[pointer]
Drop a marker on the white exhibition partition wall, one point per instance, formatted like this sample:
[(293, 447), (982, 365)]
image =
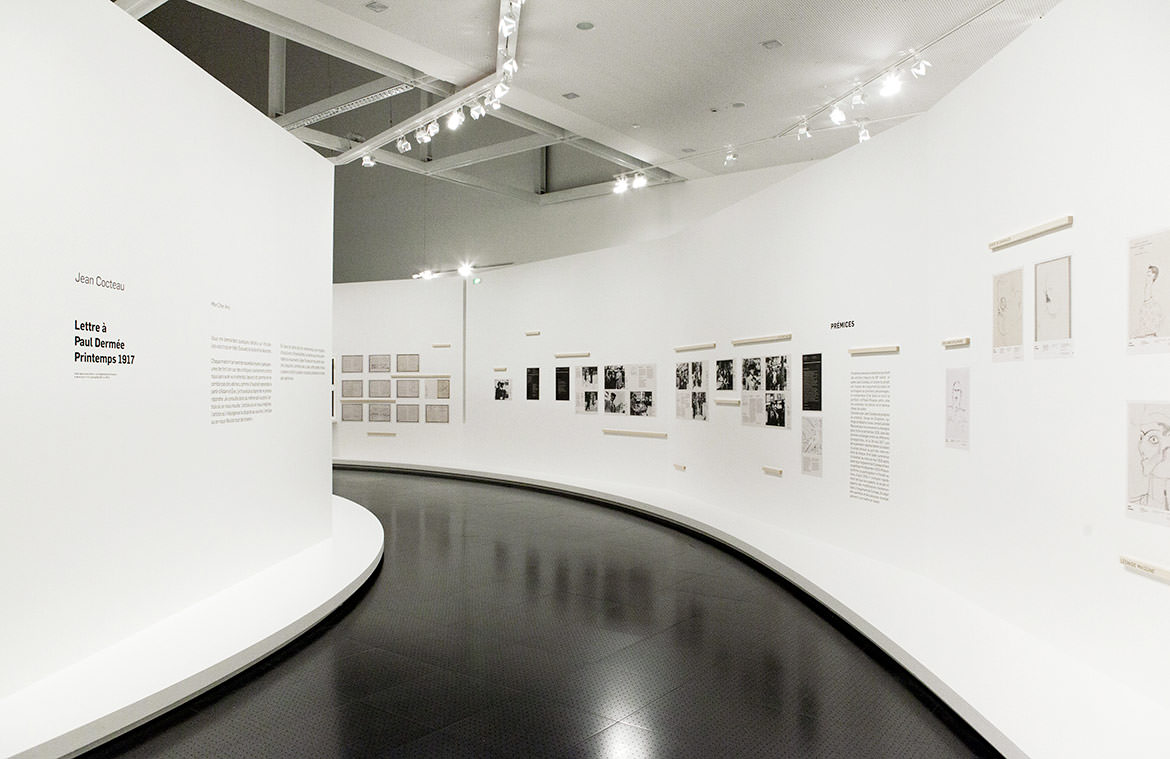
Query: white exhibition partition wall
[(1029, 524), (141, 196)]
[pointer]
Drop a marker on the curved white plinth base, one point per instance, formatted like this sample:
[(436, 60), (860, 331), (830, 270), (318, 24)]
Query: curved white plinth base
[(1025, 697), (170, 662)]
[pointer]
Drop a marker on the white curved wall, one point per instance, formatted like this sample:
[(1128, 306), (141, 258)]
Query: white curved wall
[(1028, 525), (122, 503)]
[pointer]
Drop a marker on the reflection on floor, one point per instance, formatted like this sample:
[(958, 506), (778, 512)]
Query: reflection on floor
[(506, 622)]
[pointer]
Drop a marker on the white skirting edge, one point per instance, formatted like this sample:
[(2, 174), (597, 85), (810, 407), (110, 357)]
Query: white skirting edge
[(190, 652), (1028, 698)]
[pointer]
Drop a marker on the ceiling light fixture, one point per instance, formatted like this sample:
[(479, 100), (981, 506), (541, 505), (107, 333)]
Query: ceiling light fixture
[(477, 111), (640, 181), (368, 161), (920, 66), (891, 84), (465, 269), (433, 128), (426, 274), (858, 99), (403, 145), (510, 67), (508, 23), (730, 158), (621, 184), (421, 136), (501, 89), (803, 132), (862, 132), (837, 115), (456, 119)]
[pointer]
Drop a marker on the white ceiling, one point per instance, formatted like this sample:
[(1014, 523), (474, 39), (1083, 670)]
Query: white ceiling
[(671, 83), (675, 68)]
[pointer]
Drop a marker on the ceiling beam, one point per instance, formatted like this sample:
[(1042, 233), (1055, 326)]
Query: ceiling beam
[(138, 8), (305, 35), (621, 159), (390, 158), (351, 99), (419, 119), (490, 152)]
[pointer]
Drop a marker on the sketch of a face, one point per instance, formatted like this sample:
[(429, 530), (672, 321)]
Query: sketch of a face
[(1154, 448)]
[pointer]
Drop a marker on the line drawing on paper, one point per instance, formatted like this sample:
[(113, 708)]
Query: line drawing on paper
[(1149, 303), (1149, 458), (957, 432), (1008, 305), (1053, 304)]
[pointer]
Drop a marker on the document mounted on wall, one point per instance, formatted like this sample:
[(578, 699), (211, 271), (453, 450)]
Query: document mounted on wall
[(1149, 294), (1007, 307), (1053, 309)]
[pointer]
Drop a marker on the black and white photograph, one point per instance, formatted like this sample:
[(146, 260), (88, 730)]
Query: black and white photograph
[(407, 412), (438, 413), (351, 364), (381, 412), (641, 403), (380, 362), (408, 362), (725, 374), (615, 377), (682, 376), (617, 402), (503, 389), (352, 412), (699, 405), (351, 388), (774, 404), (589, 378), (776, 373), (591, 401), (749, 376), (407, 388), (561, 386), (532, 384), (380, 388), (698, 376)]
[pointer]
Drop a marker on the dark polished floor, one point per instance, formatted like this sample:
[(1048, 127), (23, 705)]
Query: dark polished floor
[(508, 623)]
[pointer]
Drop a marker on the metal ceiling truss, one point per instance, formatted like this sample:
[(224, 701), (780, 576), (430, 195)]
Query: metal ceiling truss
[(398, 78)]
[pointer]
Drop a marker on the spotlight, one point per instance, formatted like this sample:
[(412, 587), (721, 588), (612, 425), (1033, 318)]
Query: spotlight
[(640, 181), (501, 89), (465, 269), (368, 161), (920, 66), (837, 115), (477, 110), (508, 23), (433, 128), (891, 85), (426, 274), (491, 101), (730, 158), (421, 136), (456, 118), (803, 133), (510, 67), (858, 100), (403, 145), (862, 132), (621, 184)]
